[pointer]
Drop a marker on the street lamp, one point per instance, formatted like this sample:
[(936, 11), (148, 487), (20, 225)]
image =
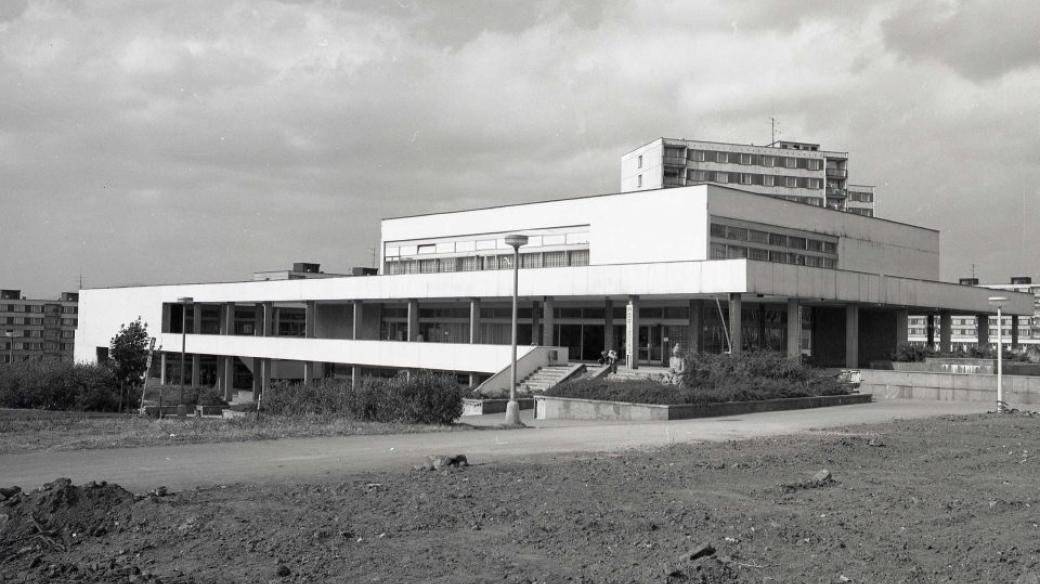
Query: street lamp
[(999, 302), (513, 408), (182, 410)]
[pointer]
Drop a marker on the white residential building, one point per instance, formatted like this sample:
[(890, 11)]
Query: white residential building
[(795, 171)]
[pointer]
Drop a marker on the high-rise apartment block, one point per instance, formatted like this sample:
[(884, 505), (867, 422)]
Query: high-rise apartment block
[(37, 329), (795, 171)]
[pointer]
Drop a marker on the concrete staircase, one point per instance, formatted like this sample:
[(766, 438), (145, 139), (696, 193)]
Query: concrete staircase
[(595, 372), (546, 377)]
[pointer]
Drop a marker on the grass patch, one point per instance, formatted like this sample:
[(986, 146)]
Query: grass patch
[(30, 431)]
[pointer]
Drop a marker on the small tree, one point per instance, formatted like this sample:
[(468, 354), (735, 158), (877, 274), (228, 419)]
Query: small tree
[(128, 356)]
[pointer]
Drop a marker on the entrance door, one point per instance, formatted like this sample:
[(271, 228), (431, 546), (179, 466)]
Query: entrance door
[(650, 344)]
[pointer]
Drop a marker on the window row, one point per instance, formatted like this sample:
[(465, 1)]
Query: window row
[(775, 239), (864, 212), (491, 243), (861, 196), (721, 251), (764, 160), (751, 179), (549, 259)]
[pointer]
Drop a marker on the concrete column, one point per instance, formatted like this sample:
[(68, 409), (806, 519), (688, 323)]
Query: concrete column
[(196, 318), (762, 345), (735, 337), (1014, 331), (228, 373), (930, 331), (258, 319), (196, 362), (852, 336), (945, 330), (309, 308), (162, 369), (794, 329), (413, 321), (358, 317), (536, 331), (902, 327), (196, 328), (608, 325), (632, 332), (258, 375), (474, 322), (696, 324), (548, 321), (982, 330), (227, 322), (474, 380), (267, 365)]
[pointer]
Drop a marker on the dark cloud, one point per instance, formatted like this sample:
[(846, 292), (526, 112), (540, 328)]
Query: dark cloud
[(978, 39), (191, 140)]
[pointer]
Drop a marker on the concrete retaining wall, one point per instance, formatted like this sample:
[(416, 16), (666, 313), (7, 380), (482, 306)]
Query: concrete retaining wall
[(566, 408), (1019, 390)]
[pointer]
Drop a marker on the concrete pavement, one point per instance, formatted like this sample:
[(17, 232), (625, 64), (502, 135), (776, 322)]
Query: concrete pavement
[(196, 465)]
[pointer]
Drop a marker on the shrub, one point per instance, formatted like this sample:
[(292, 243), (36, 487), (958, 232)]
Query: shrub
[(324, 396), (910, 353), (59, 385), (425, 398), (193, 395), (714, 379)]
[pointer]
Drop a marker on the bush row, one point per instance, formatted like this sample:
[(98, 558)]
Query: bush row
[(60, 385), (716, 378), (171, 395), (423, 398)]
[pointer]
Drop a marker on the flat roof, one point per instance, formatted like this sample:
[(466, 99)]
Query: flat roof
[(634, 193), (662, 138)]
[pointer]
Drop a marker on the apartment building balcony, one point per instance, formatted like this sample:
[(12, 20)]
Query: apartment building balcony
[(837, 173), (674, 161), (835, 193), (674, 181)]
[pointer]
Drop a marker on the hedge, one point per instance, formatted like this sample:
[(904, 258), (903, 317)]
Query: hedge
[(714, 379), (422, 398), (60, 385)]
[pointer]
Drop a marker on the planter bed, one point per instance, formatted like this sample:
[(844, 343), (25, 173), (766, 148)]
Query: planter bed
[(479, 407), (567, 408)]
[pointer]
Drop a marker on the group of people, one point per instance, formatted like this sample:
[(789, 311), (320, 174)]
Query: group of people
[(609, 358)]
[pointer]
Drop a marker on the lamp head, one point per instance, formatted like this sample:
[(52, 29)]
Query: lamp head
[(998, 301), (516, 240)]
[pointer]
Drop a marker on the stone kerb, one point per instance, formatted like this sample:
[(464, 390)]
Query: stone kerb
[(930, 385), (566, 408)]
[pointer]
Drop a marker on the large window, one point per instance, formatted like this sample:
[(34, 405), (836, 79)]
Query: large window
[(733, 238)]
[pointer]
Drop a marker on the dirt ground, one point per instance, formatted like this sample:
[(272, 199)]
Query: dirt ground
[(953, 499)]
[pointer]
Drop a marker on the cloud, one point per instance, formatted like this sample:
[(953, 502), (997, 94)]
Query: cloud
[(978, 39), (193, 140)]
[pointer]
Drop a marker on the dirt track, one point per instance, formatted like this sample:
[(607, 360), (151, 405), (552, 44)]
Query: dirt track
[(951, 499)]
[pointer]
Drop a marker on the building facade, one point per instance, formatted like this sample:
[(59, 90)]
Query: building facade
[(794, 171), (37, 329), (1017, 331), (707, 268)]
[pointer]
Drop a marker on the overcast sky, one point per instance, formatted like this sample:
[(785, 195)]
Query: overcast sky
[(149, 142)]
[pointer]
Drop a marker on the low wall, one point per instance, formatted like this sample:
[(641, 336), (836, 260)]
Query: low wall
[(568, 408), (480, 407), (933, 385), (960, 365)]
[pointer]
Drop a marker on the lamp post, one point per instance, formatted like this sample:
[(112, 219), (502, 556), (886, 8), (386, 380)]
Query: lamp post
[(999, 301), (182, 410), (513, 408)]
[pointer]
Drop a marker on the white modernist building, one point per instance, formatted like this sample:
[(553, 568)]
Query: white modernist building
[(707, 267)]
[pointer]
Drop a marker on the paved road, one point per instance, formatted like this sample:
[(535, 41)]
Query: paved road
[(180, 467)]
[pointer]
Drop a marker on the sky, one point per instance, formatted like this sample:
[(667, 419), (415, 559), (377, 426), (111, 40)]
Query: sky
[(193, 140)]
